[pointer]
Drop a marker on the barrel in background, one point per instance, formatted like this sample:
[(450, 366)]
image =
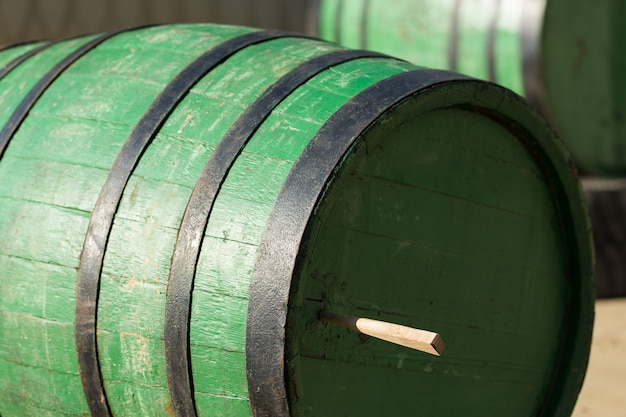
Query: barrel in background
[(180, 202), (606, 200), (564, 56)]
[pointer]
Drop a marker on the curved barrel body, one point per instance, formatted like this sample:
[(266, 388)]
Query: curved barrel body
[(562, 55), (178, 204)]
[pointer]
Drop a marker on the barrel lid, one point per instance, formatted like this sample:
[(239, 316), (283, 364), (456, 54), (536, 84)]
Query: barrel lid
[(582, 63), (456, 210)]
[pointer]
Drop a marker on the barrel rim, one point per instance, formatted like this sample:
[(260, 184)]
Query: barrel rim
[(553, 158), (292, 213)]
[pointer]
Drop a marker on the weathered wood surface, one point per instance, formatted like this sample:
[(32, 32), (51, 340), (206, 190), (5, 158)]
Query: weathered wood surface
[(59, 160), (367, 172)]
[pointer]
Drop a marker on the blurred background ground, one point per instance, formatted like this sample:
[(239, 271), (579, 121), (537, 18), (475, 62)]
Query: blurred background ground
[(603, 393)]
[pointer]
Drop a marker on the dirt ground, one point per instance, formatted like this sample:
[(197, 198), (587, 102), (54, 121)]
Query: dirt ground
[(604, 391)]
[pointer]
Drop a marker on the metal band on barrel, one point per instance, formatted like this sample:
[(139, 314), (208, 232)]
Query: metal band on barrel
[(86, 302), (200, 205), (269, 291), (22, 110), (4, 71), (96, 239)]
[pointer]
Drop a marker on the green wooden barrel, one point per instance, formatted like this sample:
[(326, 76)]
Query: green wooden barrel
[(178, 203), (563, 55)]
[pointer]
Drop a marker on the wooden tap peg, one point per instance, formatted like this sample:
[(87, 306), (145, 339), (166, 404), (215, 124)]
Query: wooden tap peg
[(422, 340)]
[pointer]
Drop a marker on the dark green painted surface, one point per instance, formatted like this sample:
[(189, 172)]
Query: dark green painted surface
[(428, 206), (577, 54), (439, 221)]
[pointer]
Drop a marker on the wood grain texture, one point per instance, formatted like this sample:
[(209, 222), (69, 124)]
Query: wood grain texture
[(380, 218), (136, 356), (496, 260), (252, 185), (86, 116), (17, 84), (16, 52)]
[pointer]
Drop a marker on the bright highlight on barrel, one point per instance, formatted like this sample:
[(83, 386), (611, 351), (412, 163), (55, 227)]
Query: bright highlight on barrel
[(179, 203)]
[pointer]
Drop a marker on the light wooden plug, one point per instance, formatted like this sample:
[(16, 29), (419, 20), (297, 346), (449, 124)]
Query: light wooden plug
[(422, 340)]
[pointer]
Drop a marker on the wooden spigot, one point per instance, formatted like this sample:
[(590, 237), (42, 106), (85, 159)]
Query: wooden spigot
[(421, 340)]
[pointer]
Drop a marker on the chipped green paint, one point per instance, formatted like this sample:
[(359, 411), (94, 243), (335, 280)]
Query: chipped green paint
[(17, 83), (428, 196), (253, 185), (87, 115)]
